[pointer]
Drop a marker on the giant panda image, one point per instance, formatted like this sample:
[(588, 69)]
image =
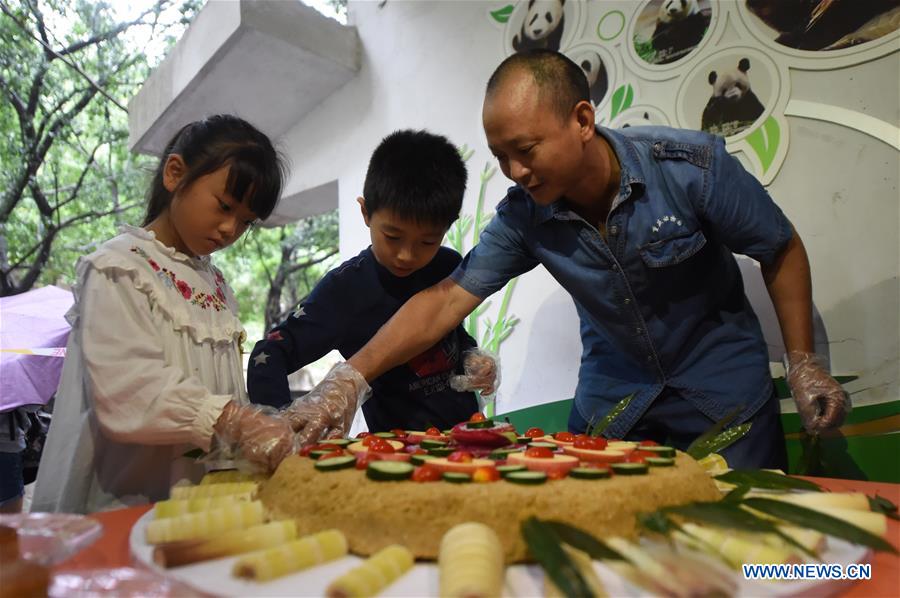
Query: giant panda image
[(542, 27), (733, 106), (592, 66), (680, 25)]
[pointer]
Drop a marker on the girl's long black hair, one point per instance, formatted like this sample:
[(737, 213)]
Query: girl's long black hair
[(256, 174)]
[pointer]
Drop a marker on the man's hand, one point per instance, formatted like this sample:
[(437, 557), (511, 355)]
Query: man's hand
[(482, 373), (821, 401), (263, 437), (328, 409)]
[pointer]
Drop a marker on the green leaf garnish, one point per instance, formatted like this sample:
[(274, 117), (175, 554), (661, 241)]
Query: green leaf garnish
[(769, 480), (657, 522), (736, 494), (613, 414), (699, 448), (879, 504), (583, 541), (546, 547), (820, 522)]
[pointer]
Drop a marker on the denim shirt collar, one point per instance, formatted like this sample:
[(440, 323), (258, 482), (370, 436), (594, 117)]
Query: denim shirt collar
[(631, 174)]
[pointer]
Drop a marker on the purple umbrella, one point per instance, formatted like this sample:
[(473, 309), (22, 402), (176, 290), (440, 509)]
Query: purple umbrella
[(30, 322)]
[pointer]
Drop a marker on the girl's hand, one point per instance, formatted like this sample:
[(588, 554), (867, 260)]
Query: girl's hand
[(261, 435)]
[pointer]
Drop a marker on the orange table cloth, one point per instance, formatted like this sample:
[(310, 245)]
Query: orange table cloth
[(112, 549)]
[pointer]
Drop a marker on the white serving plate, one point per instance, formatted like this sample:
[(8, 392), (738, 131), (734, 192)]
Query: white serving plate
[(215, 577)]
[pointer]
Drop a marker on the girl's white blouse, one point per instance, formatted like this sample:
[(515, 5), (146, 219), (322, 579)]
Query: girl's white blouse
[(153, 357)]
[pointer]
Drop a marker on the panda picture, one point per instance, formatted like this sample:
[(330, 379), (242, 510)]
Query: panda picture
[(733, 106), (542, 26), (592, 66), (680, 26)]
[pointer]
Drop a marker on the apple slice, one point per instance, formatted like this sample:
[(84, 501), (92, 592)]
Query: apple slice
[(558, 464), (605, 456), (359, 447), (414, 437), (444, 465), (626, 446)]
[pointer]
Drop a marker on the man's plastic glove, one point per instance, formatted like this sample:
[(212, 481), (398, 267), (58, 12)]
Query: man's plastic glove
[(482, 373), (328, 409), (821, 401), (257, 433)]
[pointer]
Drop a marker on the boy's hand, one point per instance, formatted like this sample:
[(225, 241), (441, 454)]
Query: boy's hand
[(821, 401), (263, 437), (482, 373), (330, 406)]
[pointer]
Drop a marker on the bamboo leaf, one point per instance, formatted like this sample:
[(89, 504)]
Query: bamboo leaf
[(727, 438), (501, 15), (612, 415), (730, 515), (879, 504), (820, 522), (766, 479), (736, 494), (699, 445), (545, 546), (583, 541), (657, 522)]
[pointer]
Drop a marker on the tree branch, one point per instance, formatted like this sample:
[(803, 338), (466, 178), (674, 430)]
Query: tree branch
[(291, 269)]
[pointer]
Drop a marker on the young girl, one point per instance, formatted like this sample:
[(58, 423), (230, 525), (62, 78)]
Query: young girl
[(153, 364)]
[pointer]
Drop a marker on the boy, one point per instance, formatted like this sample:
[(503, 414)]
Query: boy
[(412, 194)]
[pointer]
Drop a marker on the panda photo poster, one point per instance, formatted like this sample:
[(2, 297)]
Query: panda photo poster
[(669, 30)]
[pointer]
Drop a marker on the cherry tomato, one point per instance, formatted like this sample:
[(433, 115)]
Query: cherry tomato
[(539, 452), (648, 442), (460, 457), (368, 440), (485, 474), (363, 460), (564, 436), (557, 474), (337, 452), (432, 431), (426, 473), (398, 432), (477, 417), (534, 433), (381, 446), (317, 447), (363, 434), (638, 456), (419, 451), (590, 443)]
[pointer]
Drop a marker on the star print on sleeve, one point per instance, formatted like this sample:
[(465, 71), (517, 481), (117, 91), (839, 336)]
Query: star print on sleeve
[(299, 312), (261, 359)]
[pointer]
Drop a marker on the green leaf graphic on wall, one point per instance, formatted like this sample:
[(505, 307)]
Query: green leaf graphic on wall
[(764, 141), (621, 100), (495, 332), (501, 15)]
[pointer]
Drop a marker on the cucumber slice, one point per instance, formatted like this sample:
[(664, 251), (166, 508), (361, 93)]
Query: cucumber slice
[(441, 451), (336, 463), (629, 468), (320, 453), (659, 451), (446, 432), (388, 471), (341, 442), (526, 477), (589, 473), (500, 454), (385, 434), (428, 443), (487, 423), (548, 445), (524, 439), (660, 461), (456, 478), (421, 459), (506, 469)]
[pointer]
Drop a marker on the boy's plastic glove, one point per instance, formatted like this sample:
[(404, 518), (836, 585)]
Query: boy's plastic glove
[(259, 433), (821, 401), (328, 409), (482, 373)]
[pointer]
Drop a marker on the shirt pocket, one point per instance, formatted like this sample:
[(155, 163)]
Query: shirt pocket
[(672, 250)]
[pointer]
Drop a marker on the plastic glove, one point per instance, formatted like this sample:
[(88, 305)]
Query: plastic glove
[(482, 373), (821, 401), (328, 409), (262, 437)]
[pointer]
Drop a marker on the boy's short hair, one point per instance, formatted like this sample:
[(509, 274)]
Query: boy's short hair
[(418, 175)]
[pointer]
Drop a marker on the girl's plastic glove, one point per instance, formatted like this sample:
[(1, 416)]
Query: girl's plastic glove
[(821, 401), (482, 373), (328, 409), (259, 433)]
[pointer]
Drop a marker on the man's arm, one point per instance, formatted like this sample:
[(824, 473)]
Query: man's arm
[(422, 321), (789, 285)]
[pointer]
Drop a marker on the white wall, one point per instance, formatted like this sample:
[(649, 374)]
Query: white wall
[(425, 65)]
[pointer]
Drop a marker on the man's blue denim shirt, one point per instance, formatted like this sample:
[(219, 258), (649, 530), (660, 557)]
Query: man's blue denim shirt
[(661, 300)]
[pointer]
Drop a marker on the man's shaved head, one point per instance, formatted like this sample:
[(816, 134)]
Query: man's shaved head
[(560, 81)]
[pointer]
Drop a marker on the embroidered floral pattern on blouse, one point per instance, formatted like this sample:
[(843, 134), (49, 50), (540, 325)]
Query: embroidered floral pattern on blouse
[(195, 296)]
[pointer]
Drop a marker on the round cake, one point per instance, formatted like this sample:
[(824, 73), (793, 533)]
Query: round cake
[(374, 514)]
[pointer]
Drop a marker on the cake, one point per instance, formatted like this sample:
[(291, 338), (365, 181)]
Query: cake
[(374, 514)]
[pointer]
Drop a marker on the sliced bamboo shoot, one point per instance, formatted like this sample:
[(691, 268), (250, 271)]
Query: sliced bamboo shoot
[(737, 551), (205, 523), (177, 554), (373, 575), (173, 508), (300, 554), (471, 562), (206, 490)]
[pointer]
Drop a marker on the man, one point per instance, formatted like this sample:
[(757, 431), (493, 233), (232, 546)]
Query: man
[(639, 226)]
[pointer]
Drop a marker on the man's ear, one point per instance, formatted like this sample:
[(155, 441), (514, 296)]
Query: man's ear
[(173, 171), (362, 209), (584, 116)]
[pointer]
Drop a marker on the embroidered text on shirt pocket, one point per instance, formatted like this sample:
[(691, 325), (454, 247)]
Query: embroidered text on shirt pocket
[(673, 250)]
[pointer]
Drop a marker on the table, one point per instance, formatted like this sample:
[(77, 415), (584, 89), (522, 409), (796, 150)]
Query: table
[(112, 550)]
